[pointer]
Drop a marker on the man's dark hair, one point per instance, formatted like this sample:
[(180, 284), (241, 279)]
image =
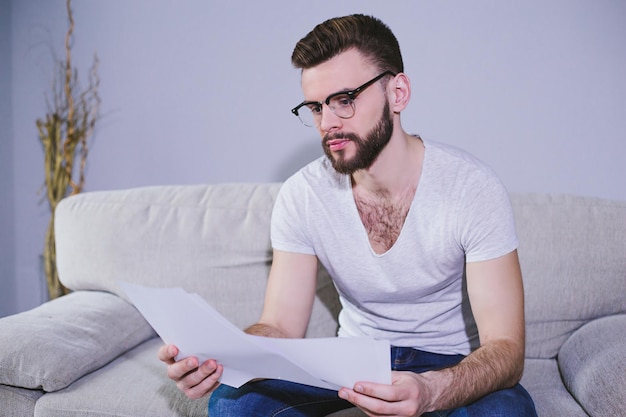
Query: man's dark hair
[(367, 34)]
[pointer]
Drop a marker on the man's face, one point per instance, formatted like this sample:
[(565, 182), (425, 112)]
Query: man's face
[(350, 144)]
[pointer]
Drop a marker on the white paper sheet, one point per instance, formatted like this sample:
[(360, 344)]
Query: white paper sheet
[(190, 323)]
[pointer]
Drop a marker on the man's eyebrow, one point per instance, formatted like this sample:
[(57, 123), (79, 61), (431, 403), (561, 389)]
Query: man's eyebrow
[(344, 90)]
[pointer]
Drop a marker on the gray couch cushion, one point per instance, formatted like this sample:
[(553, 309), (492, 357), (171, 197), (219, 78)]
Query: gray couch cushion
[(135, 384), (594, 367), (573, 256), (18, 402), (135, 375), (543, 382), (71, 335)]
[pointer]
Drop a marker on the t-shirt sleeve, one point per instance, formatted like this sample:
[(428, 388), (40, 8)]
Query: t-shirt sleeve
[(289, 225), (487, 225)]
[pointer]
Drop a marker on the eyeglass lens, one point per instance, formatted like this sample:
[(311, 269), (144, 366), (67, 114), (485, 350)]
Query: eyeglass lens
[(341, 105)]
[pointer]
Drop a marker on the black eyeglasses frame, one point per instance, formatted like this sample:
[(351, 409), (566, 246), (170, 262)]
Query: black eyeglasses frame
[(352, 94)]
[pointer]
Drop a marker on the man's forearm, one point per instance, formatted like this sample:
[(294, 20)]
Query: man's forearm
[(492, 367)]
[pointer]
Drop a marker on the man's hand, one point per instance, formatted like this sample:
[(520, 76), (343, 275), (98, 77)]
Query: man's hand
[(193, 379), (407, 396)]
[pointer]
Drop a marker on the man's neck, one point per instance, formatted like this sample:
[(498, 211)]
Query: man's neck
[(396, 171)]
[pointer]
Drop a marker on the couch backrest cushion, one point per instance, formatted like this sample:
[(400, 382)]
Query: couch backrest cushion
[(573, 256), (209, 239)]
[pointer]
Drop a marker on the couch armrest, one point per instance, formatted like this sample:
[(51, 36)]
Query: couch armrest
[(51, 346), (593, 365)]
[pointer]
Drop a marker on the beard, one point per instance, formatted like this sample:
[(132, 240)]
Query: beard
[(367, 149)]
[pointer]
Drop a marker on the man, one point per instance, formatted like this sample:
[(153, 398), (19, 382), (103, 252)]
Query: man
[(417, 236)]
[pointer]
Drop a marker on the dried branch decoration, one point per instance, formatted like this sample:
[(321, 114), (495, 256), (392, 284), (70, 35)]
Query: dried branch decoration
[(64, 132)]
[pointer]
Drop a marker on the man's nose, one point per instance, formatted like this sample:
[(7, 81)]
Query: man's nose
[(329, 120)]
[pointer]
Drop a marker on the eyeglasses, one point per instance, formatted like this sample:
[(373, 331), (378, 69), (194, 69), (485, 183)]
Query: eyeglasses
[(341, 104)]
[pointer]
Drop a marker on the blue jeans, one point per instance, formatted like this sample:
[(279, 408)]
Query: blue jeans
[(277, 398)]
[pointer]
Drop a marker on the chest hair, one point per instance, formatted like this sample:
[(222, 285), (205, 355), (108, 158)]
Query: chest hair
[(383, 219)]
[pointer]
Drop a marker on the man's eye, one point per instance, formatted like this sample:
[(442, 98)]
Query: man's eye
[(342, 101), (315, 108)]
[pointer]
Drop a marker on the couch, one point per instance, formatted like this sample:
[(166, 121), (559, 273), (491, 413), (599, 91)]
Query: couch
[(90, 353)]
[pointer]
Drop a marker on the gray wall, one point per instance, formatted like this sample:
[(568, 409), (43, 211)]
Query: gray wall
[(7, 191), (200, 91)]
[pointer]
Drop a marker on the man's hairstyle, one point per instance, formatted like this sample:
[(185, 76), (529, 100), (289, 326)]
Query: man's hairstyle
[(367, 34)]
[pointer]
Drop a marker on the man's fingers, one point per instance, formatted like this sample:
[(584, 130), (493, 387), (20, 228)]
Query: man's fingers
[(389, 393), (167, 353), (192, 378), (372, 406), (205, 386), (182, 369), (196, 375)]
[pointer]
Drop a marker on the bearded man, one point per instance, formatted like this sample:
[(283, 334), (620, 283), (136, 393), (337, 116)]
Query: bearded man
[(417, 236)]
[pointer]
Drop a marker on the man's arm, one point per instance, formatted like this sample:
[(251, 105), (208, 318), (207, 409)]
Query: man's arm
[(497, 298), (289, 296), (288, 303)]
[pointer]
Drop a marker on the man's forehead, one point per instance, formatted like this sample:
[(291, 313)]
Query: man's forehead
[(345, 71)]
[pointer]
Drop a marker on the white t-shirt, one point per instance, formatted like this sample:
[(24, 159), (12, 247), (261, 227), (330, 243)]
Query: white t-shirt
[(413, 294)]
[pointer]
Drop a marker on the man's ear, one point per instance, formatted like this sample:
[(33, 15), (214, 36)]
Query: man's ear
[(400, 89)]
